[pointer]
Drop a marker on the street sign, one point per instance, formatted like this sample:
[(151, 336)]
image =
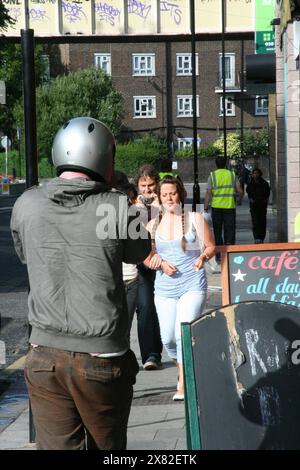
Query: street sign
[(5, 186), (5, 142), (264, 34), (2, 92)]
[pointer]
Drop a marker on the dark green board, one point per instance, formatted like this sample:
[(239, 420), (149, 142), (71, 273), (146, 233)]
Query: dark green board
[(245, 376)]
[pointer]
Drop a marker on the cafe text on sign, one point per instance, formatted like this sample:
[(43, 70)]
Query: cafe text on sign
[(271, 272)]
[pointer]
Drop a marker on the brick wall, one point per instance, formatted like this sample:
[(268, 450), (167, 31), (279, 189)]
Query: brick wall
[(209, 123)]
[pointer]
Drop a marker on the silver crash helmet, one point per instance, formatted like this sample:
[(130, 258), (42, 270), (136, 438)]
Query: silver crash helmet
[(84, 144)]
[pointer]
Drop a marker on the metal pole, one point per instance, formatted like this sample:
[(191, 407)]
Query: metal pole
[(6, 152), (19, 151), (242, 101), (224, 78), (27, 42), (196, 187), (169, 107)]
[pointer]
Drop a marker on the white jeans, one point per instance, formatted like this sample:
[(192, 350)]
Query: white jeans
[(172, 311)]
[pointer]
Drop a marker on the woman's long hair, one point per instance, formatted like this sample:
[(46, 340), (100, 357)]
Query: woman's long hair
[(169, 179)]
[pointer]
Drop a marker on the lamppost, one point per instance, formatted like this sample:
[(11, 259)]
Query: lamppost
[(196, 187), (224, 77)]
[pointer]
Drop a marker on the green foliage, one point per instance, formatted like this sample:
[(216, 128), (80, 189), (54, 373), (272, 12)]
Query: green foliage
[(255, 143), (11, 73), (5, 19), (188, 152), (130, 156), (88, 92), (233, 144), (45, 169)]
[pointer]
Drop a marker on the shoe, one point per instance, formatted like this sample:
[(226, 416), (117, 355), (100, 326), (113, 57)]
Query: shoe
[(178, 397), (152, 364)]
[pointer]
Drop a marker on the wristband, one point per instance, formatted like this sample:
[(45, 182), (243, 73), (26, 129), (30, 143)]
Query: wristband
[(205, 256)]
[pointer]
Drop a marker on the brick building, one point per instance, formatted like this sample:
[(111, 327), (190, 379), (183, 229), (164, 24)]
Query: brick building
[(155, 80)]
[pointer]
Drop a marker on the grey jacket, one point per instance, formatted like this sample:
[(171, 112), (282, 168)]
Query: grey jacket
[(72, 234)]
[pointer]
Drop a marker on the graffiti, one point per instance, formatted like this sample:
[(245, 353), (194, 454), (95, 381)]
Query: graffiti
[(73, 12), (37, 14), (43, 2), (107, 13), (174, 10), (138, 8), (15, 13)]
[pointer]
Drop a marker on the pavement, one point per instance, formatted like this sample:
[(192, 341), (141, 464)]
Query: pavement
[(156, 422)]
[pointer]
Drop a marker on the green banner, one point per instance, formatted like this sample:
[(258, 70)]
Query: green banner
[(264, 35)]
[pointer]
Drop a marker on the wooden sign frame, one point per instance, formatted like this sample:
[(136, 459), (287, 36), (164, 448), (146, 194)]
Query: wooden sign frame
[(246, 248)]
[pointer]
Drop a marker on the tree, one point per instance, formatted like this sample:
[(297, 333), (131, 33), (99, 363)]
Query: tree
[(11, 73), (88, 92), (5, 19), (255, 143)]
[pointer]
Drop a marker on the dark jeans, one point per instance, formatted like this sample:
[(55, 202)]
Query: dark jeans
[(132, 290), (223, 221), (71, 393), (148, 326), (259, 220)]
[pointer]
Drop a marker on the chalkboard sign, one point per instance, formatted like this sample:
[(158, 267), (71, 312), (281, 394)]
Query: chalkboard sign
[(242, 377), (270, 272)]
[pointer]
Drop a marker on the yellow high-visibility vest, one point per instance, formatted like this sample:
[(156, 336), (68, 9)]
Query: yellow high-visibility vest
[(162, 174), (223, 189), (297, 228)]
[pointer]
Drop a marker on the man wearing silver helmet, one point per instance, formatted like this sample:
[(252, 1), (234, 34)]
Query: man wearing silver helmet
[(73, 234)]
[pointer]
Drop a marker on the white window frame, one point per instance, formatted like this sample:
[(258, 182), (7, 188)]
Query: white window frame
[(261, 109), (103, 61), (142, 109), (229, 105), (185, 68), (184, 142), (182, 109), (229, 81), (143, 65)]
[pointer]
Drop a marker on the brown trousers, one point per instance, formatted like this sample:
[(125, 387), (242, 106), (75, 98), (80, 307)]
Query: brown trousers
[(77, 398)]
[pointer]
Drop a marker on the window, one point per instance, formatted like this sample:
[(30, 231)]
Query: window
[(229, 106), (143, 64), (103, 61), (229, 70), (261, 106), (184, 64), (46, 68), (185, 105), (184, 142), (144, 106)]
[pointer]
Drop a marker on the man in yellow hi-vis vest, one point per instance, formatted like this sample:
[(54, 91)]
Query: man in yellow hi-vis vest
[(223, 189)]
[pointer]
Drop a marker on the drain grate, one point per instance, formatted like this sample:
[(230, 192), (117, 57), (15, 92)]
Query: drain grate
[(164, 398)]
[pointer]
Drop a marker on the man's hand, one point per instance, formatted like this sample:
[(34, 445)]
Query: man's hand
[(155, 262)]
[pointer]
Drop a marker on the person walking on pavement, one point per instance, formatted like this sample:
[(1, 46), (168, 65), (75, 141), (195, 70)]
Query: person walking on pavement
[(258, 191), (181, 244), (148, 326), (166, 169), (79, 370), (130, 272), (222, 190)]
